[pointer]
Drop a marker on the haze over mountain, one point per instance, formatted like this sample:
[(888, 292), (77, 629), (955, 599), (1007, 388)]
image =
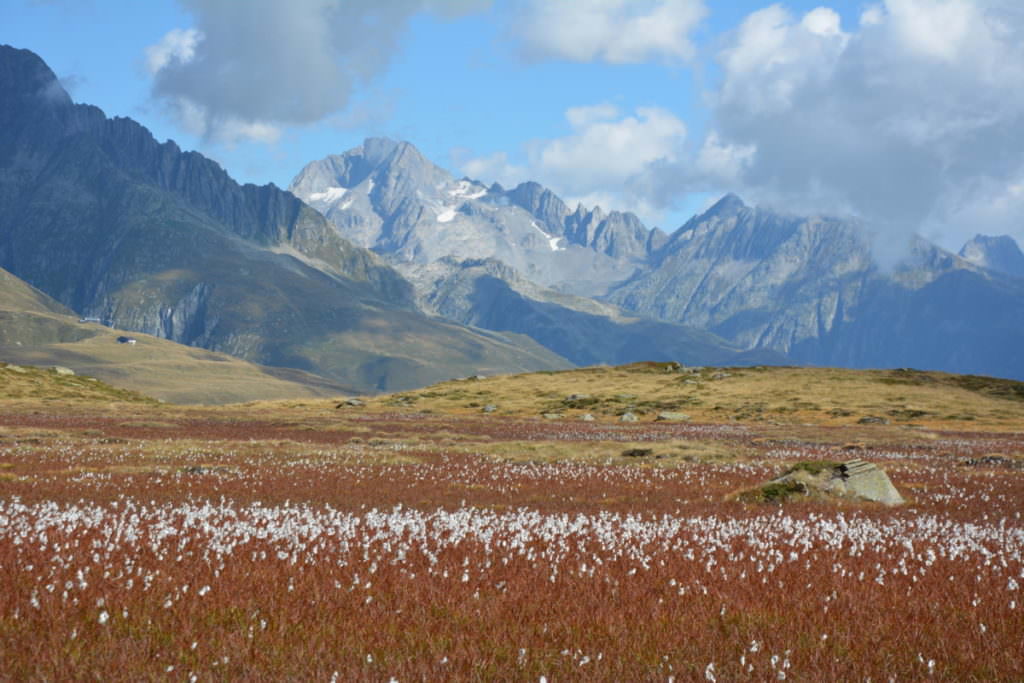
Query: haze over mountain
[(97, 214), (808, 287), (487, 293)]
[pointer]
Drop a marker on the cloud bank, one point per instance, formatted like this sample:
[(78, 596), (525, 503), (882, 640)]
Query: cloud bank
[(247, 68), (605, 153), (911, 118), (613, 31)]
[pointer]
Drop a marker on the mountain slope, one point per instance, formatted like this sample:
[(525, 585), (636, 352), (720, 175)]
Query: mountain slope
[(487, 293), (512, 261), (37, 330), (97, 214), (1000, 254), (809, 287), (386, 196)]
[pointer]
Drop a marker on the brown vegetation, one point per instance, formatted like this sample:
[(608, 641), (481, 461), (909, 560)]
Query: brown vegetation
[(297, 540)]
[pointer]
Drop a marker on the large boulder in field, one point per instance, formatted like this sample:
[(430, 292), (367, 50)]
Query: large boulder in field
[(864, 480), (853, 479)]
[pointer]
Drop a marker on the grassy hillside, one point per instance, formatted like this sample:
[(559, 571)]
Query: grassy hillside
[(18, 295), (20, 383), (155, 367), (35, 330), (789, 396)]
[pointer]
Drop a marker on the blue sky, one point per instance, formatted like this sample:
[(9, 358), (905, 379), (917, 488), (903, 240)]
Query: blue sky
[(807, 106)]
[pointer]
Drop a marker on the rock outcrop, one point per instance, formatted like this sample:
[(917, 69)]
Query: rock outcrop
[(1001, 254), (850, 480)]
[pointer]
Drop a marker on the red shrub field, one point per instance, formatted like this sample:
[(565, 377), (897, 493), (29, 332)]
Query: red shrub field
[(397, 547)]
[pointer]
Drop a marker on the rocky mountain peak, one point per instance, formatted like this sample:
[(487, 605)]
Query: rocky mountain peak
[(1000, 253), (384, 195), (541, 203), (729, 205), (24, 74)]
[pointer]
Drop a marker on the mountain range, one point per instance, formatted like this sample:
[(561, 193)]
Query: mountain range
[(385, 196), (599, 287), (112, 224), (379, 270)]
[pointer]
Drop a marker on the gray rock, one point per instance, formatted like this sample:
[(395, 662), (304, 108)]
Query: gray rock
[(489, 408), (355, 402), (587, 417), (17, 368), (1001, 254), (61, 370), (672, 417), (552, 416), (852, 479), (873, 420), (628, 417), (865, 480)]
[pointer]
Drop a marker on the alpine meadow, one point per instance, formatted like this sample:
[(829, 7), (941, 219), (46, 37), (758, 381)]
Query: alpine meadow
[(604, 340)]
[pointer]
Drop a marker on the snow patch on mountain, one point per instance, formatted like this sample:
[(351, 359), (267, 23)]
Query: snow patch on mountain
[(330, 195), (553, 242), (467, 190)]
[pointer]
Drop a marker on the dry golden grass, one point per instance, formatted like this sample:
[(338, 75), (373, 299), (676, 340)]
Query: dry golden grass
[(660, 453), (767, 396), (154, 367)]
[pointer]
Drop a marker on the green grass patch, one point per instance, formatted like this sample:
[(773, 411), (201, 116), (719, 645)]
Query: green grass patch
[(814, 467)]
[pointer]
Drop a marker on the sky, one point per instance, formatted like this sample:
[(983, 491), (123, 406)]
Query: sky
[(906, 114)]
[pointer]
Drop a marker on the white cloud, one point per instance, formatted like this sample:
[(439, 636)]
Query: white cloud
[(228, 130), (247, 68), (723, 163), (937, 30), (493, 168), (773, 56), (603, 160), (872, 16), (911, 120), (822, 22), (614, 31), (601, 152), (179, 45)]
